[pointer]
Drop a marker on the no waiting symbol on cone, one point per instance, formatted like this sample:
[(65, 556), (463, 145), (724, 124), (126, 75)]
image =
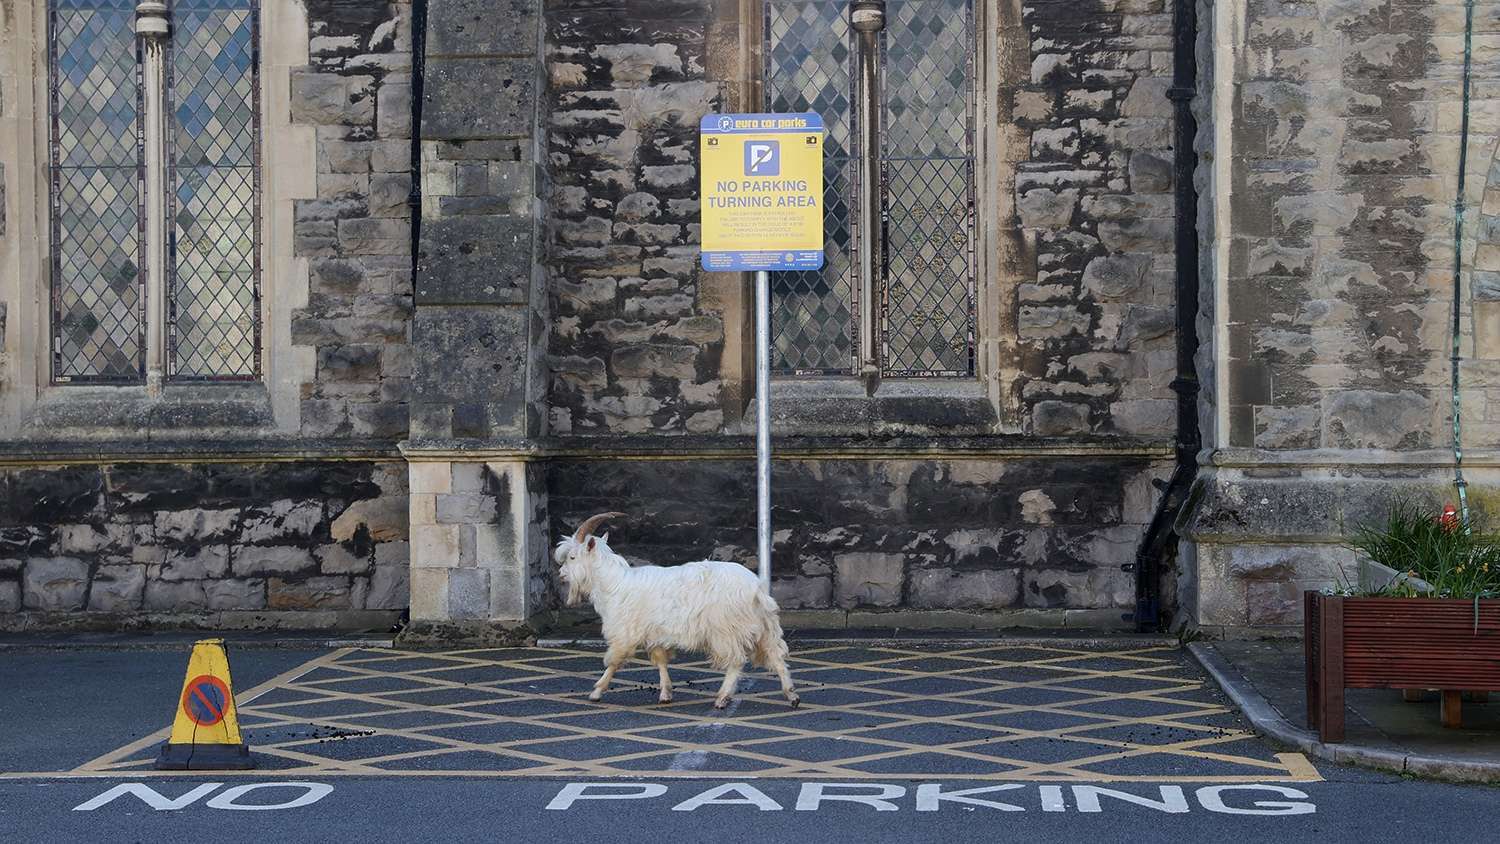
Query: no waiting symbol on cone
[(204, 700)]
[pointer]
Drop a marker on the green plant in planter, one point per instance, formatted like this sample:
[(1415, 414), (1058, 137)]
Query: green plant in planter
[(1456, 561)]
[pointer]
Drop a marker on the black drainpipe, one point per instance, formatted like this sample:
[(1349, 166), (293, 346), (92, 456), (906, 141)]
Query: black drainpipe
[(418, 66), (1162, 531)]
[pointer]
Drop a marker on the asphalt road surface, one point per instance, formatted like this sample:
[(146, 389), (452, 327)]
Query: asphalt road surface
[(59, 710)]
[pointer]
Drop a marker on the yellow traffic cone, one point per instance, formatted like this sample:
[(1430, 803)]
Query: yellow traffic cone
[(206, 731)]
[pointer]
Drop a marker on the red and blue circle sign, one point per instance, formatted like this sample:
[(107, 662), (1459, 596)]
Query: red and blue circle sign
[(206, 700)]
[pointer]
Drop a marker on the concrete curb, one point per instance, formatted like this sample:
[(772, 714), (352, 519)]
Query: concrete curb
[(952, 637), (1270, 723)]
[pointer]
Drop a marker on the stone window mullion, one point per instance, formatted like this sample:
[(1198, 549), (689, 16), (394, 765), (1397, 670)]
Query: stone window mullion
[(152, 28)]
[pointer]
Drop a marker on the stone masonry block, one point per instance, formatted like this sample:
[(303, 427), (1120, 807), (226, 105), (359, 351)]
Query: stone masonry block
[(389, 588), (474, 260), (466, 509), (947, 589), (794, 593), (184, 596), (118, 588), (429, 593), (281, 521), (467, 27), (434, 545), (430, 477), (468, 593), (478, 98), (199, 563), (339, 559), (235, 594), (473, 355), (1058, 418), (280, 559), (194, 525), (868, 579), (393, 108), (423, 508), (327, 98), (55, 583), (314, 593), (10, 596)]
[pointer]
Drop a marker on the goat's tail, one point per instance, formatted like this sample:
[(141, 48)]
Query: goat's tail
[(770, 647)]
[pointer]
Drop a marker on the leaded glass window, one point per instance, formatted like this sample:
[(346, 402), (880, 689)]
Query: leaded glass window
[(209, 296), (97, 284), (925, 288), (213, 108)]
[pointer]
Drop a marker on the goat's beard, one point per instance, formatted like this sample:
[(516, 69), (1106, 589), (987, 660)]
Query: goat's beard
[(575, 594)]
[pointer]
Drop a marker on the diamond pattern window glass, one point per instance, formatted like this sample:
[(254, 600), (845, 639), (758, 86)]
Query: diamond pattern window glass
[(927, 306), (210, 297), (925, 288), (95, 184), (213, 108), (809, 59)]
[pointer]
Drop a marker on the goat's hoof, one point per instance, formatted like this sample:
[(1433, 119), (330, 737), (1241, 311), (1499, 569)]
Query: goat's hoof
[(721, 703), (664, 699), (794, 700), (596, 695)]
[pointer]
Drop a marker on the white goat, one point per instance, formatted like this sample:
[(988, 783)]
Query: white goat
[(713, 607)]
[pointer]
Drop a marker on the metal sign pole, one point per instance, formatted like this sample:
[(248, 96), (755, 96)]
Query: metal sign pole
[(760, 185), (763, 424)]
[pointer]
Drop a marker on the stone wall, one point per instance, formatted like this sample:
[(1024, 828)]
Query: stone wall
[(1084, 310), (480, 557), (224, 505), (1094, 314), (214, 545), (356, 232), (635, 342), (641, 342), (479, 332), (979, 534), (1335, 175), (479, 370), (1346, 147)]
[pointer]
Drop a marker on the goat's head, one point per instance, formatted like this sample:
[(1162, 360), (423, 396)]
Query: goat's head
[(578, 554)]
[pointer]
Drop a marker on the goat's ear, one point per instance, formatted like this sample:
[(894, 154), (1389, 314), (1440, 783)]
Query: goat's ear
[(591, 545)]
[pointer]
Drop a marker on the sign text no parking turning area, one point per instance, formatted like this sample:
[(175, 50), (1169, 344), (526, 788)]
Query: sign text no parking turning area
[(761, 191)]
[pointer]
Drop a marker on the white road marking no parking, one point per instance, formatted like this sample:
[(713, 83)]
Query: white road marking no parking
[(1239, 799), (312, 792)]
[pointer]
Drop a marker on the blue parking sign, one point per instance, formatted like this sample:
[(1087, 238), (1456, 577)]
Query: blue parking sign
[(763, 158)]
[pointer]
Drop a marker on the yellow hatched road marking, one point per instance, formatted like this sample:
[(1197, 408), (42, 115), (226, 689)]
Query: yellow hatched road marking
[(1150, 685)]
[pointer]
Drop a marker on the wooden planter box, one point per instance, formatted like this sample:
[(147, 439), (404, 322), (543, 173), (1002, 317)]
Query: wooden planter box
[(1396, 643)]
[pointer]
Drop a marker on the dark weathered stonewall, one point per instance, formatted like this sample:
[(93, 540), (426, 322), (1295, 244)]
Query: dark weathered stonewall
[(212, 544), (979, 535)]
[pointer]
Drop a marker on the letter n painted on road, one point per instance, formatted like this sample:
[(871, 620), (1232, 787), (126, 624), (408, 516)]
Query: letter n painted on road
[(148, 795)]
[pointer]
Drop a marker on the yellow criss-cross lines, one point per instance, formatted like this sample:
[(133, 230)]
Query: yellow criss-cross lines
[(1155, 675)]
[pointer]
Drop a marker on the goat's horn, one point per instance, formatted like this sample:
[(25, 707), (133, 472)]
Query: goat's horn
[(592, 522)]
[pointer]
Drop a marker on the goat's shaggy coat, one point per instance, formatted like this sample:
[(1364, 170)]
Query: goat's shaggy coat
[(712, 607)]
